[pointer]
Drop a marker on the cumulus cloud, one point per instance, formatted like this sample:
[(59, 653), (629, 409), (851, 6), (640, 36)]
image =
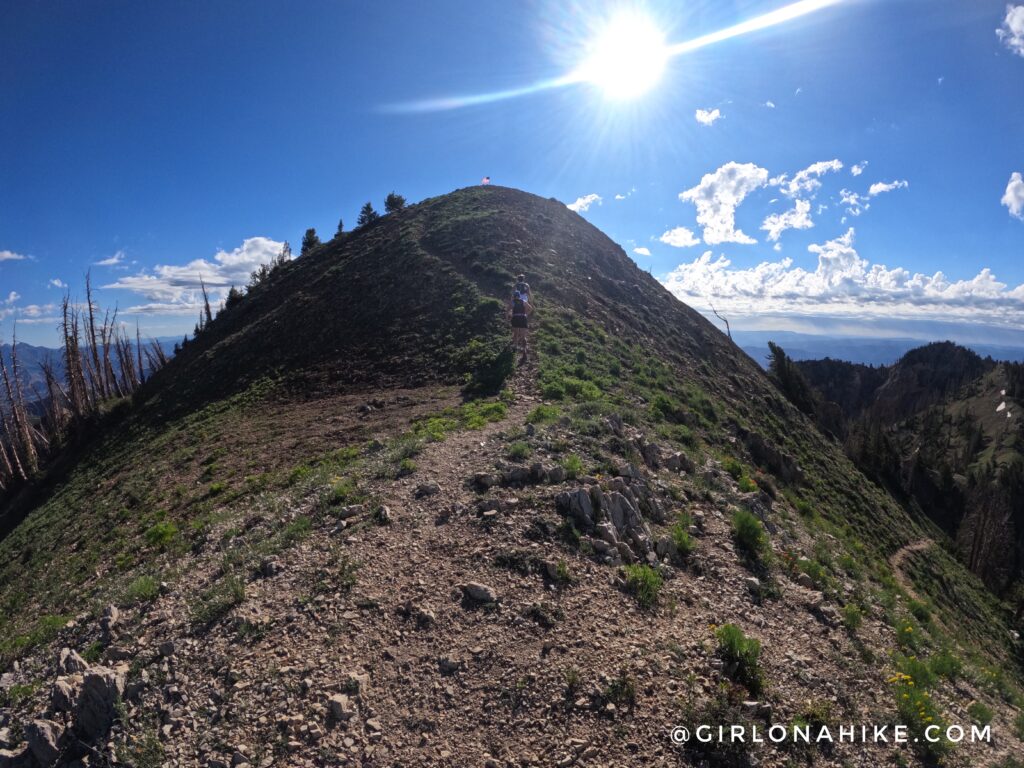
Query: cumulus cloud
[(717, 197), (770, 104), (680, 237), (56, 282), (844, 284), (1012, 31), (175, 289), (584, 203), (880, 187), (1013, 198), (30, 314), (620, 197), (797, 218), (707, 117), (11, 256), (112, 261), (858, 168), (642, 251), (808, 181)]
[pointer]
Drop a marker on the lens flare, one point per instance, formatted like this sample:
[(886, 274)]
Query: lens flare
[(626, 59)]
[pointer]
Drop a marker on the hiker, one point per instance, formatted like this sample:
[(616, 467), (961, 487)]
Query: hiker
[(520, 309)]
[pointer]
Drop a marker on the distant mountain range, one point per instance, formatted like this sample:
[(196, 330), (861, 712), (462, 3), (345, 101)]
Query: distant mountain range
[(853, 349), (31, 358)]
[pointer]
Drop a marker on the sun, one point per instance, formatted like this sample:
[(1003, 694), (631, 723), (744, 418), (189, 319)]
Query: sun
[(626, 58)]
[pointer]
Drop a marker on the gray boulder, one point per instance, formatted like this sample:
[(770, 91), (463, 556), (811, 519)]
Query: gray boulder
[(70, 662), (95, 711), (45, 741)]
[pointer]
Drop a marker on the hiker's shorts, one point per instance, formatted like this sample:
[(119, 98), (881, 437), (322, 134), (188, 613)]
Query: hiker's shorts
[(520, 321)]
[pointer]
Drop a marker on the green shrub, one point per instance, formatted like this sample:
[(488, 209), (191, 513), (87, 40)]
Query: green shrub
[(406, 467), (644, 583), (907, 634), (519, 451), (544, 414), (93, 652), (479, 413), (852, 617), (746, 485), (749, 535), (742, 656), (915, 669), (344, 491), (621, 691), (553, 390), (920, 611), (573, 466), (1018, 725), (487, 366), (296, 530), (681, 535), (915, 706), (216, 602), (144, 589), (946, 664), (161, 534), (665, 408), (979, 713), (734, 468)]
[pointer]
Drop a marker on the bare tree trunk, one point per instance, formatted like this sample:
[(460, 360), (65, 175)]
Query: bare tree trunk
[(138, 350), (93, 341), (6, 469), (77, 388), (16, 399), (18, 470)]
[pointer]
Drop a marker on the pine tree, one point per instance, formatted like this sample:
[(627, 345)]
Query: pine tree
[(341, 228), (234, 298), (367, 215), (309, 241), (393, 202)]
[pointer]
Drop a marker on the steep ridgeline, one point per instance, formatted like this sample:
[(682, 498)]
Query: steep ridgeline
[(342, 528), (942, 429)]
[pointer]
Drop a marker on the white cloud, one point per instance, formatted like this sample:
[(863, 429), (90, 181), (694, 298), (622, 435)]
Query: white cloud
[(707, 117), (855, 202), (806, 182), (1013, 198), (11, 256), (1012, 31), (620, 197), (680, 237), (880, 186), (12, 297), (584, 203), (846, 285), (173, 289), (858, 168), (718, 195), (56, 282), (642, 251), (770, 104), (113, 261), (797, 218)]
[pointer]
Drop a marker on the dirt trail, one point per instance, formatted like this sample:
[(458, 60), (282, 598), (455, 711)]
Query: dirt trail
[(899, 558)]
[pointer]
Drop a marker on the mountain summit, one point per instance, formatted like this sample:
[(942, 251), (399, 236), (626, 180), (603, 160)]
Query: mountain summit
[(342, 527)]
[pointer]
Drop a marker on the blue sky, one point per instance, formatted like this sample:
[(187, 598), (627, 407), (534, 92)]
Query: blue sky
[(153, 143)]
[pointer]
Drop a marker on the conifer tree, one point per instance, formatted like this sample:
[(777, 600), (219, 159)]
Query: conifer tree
[(367, 215)]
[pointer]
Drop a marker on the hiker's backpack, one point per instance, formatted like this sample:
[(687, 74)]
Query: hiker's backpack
[(520, 295)]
